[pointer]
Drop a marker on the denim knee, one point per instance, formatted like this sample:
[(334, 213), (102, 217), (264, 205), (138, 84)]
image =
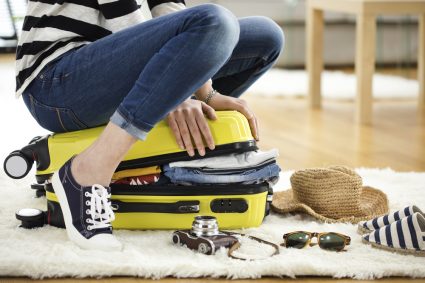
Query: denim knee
[(273, 37), (222, 28)]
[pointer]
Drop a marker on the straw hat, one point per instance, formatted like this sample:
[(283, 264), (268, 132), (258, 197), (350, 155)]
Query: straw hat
[(333, 194)]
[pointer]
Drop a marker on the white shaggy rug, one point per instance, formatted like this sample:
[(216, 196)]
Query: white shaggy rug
[(46, 252)]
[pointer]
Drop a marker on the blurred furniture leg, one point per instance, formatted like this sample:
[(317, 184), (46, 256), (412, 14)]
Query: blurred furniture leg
[(421, 63), (365, 66), (314, 55), (366, 12)]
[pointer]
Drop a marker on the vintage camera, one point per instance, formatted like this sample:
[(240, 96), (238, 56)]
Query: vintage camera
[(204, 236)]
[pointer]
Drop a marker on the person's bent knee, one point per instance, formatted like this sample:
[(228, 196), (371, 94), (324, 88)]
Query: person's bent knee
[(222, 23), (273, 35), (277, 36)]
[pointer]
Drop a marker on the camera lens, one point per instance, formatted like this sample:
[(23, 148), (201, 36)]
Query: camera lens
[(205, 226)]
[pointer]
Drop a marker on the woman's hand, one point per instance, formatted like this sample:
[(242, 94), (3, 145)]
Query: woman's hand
[(224, 102), (188, 121)]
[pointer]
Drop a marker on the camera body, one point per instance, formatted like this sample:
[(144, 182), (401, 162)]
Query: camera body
[(204, 236)]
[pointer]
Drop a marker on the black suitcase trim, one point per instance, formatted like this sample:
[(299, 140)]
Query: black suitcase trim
[(180, 190), (237, 147), (178, 207), (195, 190)]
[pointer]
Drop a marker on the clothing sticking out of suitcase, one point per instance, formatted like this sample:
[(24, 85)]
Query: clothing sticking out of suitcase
[(156, 206)]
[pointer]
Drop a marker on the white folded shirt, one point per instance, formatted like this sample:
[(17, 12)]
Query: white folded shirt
[(230, 161)]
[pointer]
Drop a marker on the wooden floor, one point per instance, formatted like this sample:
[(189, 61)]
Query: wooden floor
[(329, 136), (307, 138)]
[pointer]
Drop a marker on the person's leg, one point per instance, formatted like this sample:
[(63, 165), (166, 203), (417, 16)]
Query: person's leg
[(260, 42), (145, 71), (98, 162)]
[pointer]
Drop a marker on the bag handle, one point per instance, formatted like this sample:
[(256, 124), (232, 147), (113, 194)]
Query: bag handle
[(166, 207)]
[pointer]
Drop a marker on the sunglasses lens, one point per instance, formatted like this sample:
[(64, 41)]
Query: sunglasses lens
[(332, 242), (297, 240)]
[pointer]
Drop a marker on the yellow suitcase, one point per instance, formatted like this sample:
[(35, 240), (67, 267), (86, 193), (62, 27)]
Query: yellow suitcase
[(230, 131), (174, 207), (167, 206)]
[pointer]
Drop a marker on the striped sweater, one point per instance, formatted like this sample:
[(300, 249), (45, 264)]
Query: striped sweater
[(53, 27)]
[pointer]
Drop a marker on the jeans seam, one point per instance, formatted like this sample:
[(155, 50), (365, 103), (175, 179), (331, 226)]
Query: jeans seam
[(76, 120), (247, 57), (60, 120), (32, 106)]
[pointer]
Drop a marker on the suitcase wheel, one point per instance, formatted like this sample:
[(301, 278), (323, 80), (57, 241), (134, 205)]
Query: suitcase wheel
[(31, 218), (16, 165)]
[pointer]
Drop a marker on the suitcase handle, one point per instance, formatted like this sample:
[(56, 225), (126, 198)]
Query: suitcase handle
[(174, 207)]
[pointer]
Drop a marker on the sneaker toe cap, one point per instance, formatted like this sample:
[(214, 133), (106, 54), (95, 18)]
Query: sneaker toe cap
[(106, 242)]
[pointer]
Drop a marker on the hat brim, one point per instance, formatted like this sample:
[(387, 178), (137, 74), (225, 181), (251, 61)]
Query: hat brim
[(373, 203)]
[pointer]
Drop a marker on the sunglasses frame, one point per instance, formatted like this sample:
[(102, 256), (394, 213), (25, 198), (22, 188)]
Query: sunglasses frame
[(311, 235)]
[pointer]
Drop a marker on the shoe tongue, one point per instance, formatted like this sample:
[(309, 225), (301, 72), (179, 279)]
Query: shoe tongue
[(107, 230), (108, 189), (89, 188)]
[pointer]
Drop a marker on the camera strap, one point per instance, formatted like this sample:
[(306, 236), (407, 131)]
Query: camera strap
[(237, 245)]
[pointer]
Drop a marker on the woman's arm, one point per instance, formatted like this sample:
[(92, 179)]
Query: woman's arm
[(188, 122), (224, 102)]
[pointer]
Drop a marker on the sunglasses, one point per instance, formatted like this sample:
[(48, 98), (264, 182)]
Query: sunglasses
[(328, 241)]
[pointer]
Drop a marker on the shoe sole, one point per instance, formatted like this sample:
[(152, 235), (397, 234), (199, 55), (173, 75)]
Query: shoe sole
[(362, 230), (397, 250)]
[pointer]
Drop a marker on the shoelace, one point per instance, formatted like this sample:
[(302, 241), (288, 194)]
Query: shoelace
[(99, 200)]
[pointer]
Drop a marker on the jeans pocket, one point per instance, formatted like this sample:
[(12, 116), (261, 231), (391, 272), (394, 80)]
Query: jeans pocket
[(55, 119)]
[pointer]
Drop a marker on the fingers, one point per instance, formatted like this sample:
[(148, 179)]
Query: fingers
[(254, 128), (187, 126), (252, 120), (258, 129), (184, 132), (209, 111), (205, 129), (190, 127), (171, 119), (194, 131)]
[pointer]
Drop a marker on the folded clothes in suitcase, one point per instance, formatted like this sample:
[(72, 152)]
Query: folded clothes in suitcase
[(164, 206)]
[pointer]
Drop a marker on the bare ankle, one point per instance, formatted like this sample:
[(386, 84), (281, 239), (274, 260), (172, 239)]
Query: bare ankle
[(97, 163), (86, 174)]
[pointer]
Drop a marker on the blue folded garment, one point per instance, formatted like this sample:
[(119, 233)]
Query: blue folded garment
[(190, 176)]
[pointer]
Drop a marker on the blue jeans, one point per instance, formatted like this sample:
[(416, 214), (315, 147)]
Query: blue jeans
[(191, 176), (136, 76)]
